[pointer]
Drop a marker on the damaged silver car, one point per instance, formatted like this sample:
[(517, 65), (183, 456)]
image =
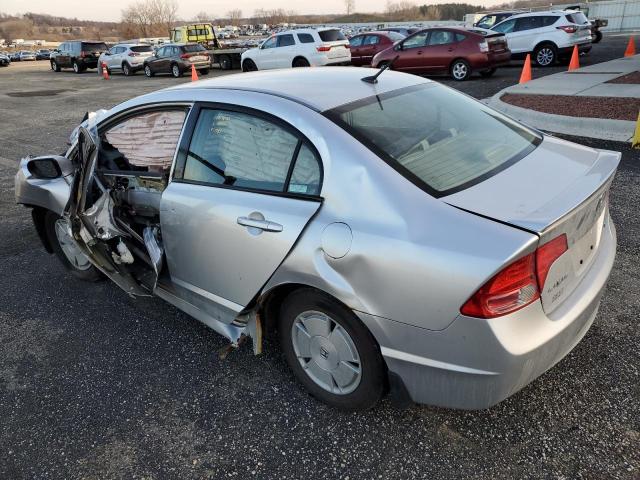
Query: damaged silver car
[(397, 235)]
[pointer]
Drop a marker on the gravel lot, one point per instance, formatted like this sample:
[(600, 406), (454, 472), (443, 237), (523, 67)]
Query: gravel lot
[(96, 385)]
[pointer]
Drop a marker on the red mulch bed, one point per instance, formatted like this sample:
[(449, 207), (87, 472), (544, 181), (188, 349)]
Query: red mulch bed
[(633, 77), (584, 107)]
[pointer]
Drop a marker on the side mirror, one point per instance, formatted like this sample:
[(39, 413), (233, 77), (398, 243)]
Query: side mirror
[(44, 168)]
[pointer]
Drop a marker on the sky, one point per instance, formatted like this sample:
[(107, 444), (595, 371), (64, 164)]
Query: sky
[(110, 10)]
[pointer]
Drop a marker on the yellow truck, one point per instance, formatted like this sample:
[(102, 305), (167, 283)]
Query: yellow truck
[(205, 34)]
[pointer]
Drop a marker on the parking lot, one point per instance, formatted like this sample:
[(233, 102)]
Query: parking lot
[(94, 384)]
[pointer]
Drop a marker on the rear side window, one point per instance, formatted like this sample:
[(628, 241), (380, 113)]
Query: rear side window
[(437, 138), (142, 48), (528, 23), (578, 18), (286, 40), (331, 35), (549, 20), (242, 150), (94, 47), (460, 37), (417, 40), (193, 48), (305, 38), (441, 37)]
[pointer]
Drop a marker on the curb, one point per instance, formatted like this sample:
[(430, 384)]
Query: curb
[(600, 128)]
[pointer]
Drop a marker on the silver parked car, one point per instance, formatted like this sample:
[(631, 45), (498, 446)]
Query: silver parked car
[(127, 58), (397, 235)]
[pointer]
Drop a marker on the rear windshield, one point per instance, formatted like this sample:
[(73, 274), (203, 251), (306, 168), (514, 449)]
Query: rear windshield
[(331, 35), (577, 18), (142, 48), (193, 48), (439, 139), (94, 47)]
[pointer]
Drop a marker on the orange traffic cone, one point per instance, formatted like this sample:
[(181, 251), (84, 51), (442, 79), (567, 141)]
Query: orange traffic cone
[(575, 59), (105, 71), (194, 74), (525, 76), (631, 48)]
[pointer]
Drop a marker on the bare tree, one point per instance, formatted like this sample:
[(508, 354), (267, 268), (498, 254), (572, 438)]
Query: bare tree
[(350, 5), (234, 16), (149, 18), (203, 17)]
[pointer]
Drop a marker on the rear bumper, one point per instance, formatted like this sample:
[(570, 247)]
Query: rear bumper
[(582, 48), (474, 363), (483, 61)]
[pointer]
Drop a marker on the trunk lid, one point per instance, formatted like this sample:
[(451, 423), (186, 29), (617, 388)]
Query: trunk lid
[(560, 188)]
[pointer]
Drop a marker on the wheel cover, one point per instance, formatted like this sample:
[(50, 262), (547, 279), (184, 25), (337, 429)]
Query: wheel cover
[(125, 69), (175, 70), (76, 67), (459, 70), (545, 56), (147, 71), (326, 352), (73, 253), (53, 65)]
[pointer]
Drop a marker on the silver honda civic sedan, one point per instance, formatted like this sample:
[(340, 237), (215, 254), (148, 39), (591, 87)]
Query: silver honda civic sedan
[(398, 236)]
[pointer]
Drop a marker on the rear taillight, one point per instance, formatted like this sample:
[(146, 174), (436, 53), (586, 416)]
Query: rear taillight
[(83, 54), (323, 49), (185, 55), (547, 254), (568, 28), (517, 285), (512, 288), (134, 54), (484, 46)]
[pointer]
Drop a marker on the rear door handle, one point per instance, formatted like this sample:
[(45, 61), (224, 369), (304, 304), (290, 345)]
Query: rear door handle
[(264, 225)]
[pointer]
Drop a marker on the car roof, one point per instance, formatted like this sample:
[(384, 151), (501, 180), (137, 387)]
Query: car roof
[(318, 88), (537, 14)]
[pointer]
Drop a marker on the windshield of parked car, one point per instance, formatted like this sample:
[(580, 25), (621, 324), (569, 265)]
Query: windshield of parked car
[(331, 35), (440, 139)]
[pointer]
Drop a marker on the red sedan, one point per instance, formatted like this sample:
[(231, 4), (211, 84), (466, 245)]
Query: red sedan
[(365, 45), (456, 51)]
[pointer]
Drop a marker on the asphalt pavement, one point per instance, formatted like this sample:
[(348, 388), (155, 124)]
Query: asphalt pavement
[(94, 384)]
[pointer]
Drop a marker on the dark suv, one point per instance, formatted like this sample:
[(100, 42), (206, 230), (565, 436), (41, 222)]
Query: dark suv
[(77, 54)]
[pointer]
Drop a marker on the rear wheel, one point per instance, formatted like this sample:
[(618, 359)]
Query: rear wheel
[(597, 36), (225, 62), (460, 70), (203, 71), (61, 240), (545, 55), (76, 67), (54, 66), (330, 351), (249, 66), (147, 71), (488, 73), (175, 71), (300, 62)]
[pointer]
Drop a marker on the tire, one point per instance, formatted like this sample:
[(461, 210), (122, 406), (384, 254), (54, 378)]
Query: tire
[(545, 55), (488, 73), (175, 70), (127, 71), (225, 62), (203, 71), (249, 66), (77, 68), (148, 72), (54, 66), (344, 368), (79, 266), (460, 70), (300, 62), (597, 37)]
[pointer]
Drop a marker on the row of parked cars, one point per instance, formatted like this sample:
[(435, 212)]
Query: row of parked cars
[(549, 36)]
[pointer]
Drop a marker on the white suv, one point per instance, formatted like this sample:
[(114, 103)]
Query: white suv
[(125, 57), (299, 48), (549, 36)]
